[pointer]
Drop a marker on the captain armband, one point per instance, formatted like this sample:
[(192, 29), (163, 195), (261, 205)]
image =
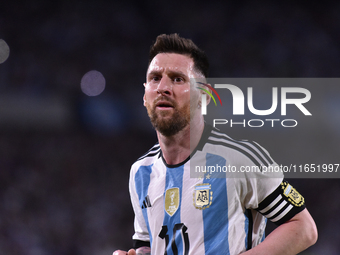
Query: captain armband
[(282, 204)]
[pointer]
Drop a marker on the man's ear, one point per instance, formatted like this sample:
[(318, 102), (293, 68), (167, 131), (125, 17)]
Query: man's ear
[(144, 100), (207, 95)]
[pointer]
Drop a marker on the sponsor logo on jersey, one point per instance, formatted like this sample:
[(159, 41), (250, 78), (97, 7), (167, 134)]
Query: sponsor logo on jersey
[(171, 200), (202, 196), (293, 196)]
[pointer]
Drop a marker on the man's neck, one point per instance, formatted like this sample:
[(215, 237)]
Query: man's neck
[(177, 148)]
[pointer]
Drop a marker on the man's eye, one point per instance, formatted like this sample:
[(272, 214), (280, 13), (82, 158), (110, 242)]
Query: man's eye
[(178, 79), (155, 78)]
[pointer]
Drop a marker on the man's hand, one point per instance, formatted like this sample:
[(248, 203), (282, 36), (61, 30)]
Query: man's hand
[(139, 251), (130, 252)]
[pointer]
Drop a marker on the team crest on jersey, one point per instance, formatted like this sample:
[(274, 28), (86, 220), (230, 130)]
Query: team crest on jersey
[(202, 196), (293, 196), (171, 200)]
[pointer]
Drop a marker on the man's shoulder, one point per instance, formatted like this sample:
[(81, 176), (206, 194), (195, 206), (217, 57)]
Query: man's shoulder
[(249, 149), (149, 157), (221, 138)]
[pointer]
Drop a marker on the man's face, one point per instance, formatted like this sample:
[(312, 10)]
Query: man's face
[(167, 92)]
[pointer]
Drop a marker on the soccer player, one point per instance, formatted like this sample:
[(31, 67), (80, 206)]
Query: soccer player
[(178, 214)]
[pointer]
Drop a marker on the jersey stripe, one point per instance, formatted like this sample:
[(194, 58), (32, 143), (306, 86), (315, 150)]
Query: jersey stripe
[(174, 178), (248, 227), (142, 182), (264, 232), (216, 224)]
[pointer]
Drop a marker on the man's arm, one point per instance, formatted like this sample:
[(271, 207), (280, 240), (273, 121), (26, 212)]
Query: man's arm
[(292, 237)]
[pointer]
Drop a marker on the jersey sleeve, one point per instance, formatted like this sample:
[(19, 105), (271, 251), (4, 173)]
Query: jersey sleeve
[(282, 204), (141, 235), (271, 195)]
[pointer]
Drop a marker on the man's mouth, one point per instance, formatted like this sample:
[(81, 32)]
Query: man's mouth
[(164, 105)]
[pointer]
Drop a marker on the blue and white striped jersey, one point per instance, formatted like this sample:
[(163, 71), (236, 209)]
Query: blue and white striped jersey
[(178, 214)]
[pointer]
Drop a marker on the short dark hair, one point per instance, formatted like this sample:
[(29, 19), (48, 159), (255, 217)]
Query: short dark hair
[(173, 43)]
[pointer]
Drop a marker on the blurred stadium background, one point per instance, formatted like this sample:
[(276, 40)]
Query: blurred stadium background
[(65, 156)]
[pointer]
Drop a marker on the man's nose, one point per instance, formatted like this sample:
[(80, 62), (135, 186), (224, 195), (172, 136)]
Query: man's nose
[(164, 86)]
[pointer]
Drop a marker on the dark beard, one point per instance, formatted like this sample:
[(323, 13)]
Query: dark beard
[(171, 126)]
